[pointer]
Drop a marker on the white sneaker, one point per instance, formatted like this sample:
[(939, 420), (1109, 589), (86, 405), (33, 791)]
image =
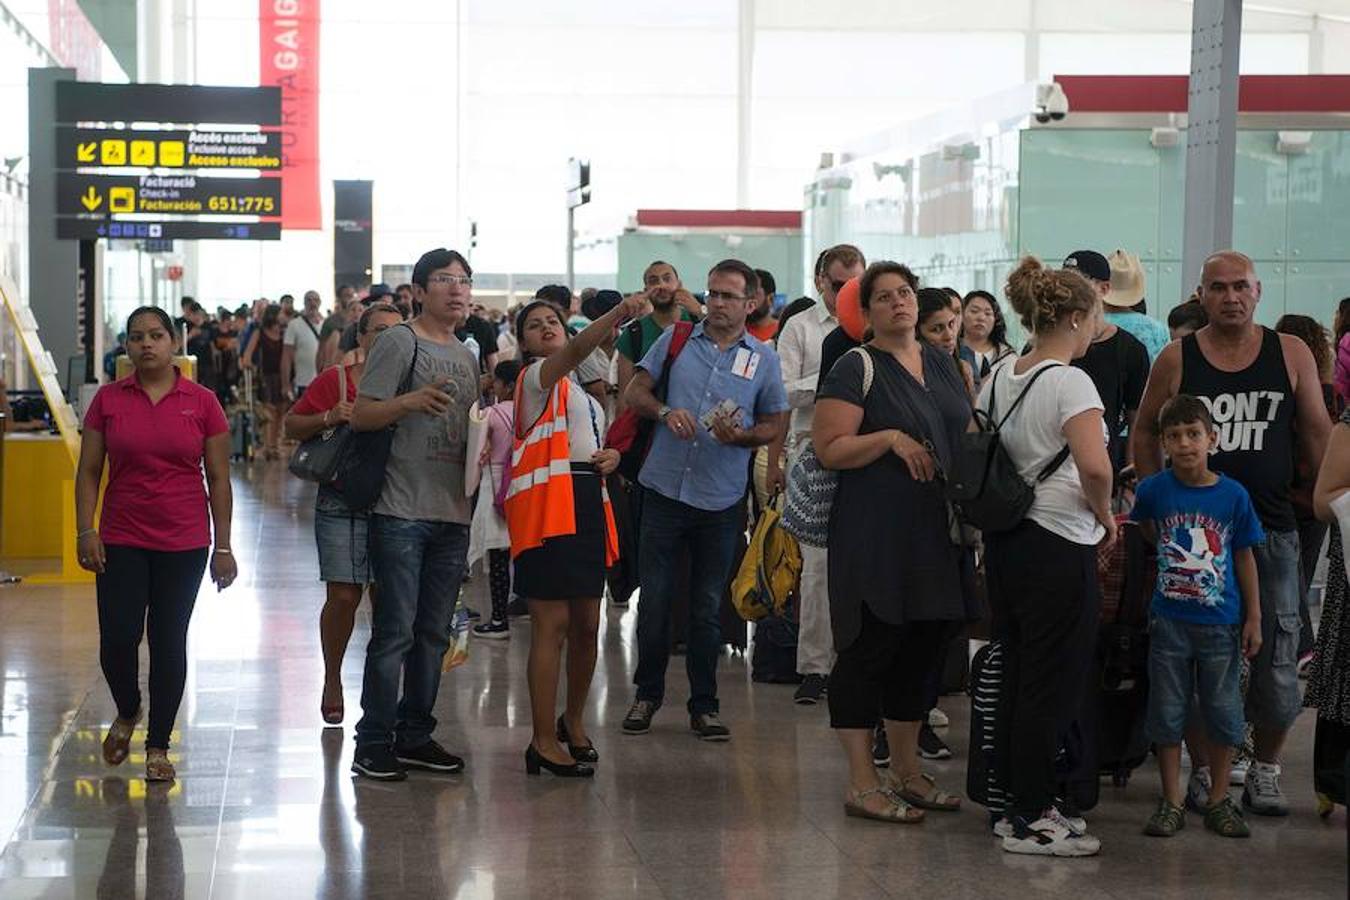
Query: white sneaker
[(937, 718), (1049, 836), (1263, 795), (1197, 790), (1237, 776), (1076, 824), (1003, 827)]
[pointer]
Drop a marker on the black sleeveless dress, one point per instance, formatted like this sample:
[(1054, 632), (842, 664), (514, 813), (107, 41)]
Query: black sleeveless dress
[(1254, 412), (889, 535)]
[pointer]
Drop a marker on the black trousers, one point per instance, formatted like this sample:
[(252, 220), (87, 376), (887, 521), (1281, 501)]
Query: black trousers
[(152, 589), (1046, 605), (889, 669)]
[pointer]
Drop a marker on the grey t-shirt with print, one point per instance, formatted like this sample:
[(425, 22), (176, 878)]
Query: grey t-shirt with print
[(425, 477)]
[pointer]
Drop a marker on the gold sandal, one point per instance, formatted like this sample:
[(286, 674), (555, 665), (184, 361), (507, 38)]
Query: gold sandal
[(117, 743), (934, 798), (897, 812), (158, 767)]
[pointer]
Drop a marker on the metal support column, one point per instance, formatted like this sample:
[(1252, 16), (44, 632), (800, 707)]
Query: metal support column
[(745, 89), (571, 245), (1211, 133)]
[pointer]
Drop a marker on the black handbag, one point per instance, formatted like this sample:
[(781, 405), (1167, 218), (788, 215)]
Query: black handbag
[(361, 469), (985, 485), (319, 458)]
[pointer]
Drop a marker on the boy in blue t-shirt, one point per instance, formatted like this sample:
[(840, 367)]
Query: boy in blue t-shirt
[(1204, 527)]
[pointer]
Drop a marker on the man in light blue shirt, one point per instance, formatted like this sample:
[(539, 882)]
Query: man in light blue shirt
[(724, 398)]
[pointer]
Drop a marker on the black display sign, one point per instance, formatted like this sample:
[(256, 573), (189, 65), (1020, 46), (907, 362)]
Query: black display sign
[(353, 232), (176, 194), (84, 101), (196, 149), (166, 230)]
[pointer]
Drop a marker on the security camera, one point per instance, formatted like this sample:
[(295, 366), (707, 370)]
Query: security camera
[(1051, 103)]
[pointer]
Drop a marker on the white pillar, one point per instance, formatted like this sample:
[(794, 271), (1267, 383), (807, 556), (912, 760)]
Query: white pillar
[(1031, 47), (745, 88), (1211, 134)]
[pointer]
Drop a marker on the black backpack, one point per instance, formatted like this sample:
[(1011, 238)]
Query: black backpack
[(985, 485)]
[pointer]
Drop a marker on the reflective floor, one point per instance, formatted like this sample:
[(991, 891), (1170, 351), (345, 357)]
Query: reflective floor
[(265, 806)]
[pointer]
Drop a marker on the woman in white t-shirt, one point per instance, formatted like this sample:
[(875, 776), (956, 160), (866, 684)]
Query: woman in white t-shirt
[(1042, 574)]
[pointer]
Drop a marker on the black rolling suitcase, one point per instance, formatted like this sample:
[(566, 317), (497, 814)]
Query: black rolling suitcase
[(1121, 668)]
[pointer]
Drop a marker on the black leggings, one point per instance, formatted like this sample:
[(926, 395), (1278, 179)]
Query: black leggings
[(164, 584), (888, 669), (1046, 605), (499, 582)]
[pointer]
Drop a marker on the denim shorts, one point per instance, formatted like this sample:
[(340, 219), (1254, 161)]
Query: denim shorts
[(1185, 660), (1273, 698), (344, 550)]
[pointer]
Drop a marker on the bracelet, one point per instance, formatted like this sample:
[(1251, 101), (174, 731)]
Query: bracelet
[(87, 531), (224, 551)]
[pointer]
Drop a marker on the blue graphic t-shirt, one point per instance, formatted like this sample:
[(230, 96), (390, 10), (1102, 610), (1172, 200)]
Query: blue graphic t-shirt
[(1199, 528)]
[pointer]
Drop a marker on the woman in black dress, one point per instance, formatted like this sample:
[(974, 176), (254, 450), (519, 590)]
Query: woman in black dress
[(264, 355), (888, 418)]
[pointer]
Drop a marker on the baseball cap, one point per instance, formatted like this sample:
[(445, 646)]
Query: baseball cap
[(377, 292), (603, 301), (1089, 264)]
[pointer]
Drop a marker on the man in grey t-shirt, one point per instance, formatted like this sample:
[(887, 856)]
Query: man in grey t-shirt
[(419, 528)]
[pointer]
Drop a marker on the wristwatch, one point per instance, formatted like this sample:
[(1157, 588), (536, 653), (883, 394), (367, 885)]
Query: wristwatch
[(663, 412)]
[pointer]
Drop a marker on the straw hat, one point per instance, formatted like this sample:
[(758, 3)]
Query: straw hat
[(1127, 280)]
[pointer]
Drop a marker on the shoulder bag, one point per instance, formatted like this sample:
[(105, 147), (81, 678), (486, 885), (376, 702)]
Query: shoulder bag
[(811, 487), (360, 476), (630, 433), (318, 458), (986, 485)]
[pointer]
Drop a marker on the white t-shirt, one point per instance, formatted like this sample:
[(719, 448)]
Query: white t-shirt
[(585, 416), (1034, 434), (305, 340)]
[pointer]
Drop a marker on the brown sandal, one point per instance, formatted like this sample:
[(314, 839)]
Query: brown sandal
[(933, 798), (158, 767), (897, 812), (117, 743)]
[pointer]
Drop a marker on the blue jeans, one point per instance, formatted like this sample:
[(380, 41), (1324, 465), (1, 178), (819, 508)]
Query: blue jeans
[(1273, 699), (418, 567), (667, 526), (1186, 659)]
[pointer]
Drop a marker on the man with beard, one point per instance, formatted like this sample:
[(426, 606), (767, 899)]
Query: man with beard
[(670, 302), (761, 322)]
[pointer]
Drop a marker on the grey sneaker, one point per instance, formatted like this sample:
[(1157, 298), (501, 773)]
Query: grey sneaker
[(1262, 794), (639, 718), (1197, 790), (709, 728)]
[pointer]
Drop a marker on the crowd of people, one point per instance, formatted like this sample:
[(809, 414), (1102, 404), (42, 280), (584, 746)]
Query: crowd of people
[(578, 437)]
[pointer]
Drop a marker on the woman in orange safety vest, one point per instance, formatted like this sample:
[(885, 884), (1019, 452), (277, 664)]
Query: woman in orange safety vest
[(561, 524)]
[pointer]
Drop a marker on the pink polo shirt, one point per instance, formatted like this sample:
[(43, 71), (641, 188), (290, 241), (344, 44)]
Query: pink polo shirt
[(156, 496)]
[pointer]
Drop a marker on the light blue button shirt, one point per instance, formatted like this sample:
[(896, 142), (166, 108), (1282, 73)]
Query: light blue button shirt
[(702, 472)]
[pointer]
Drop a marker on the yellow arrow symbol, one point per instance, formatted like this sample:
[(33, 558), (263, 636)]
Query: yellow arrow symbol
[(85, 152), (91, 199)]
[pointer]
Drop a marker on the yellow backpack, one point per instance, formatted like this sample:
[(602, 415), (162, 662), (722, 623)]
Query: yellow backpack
[(771, 570)]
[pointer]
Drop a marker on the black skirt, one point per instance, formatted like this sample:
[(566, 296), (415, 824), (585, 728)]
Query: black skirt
[(571, 567)]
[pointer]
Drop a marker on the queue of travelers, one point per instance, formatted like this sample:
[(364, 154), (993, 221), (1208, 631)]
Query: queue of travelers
[(1208, 435)]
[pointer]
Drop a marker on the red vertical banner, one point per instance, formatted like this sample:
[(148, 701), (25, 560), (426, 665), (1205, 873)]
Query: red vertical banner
[(289, 59)]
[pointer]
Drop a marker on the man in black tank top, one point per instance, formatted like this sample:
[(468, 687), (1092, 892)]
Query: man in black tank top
[(1265, 395)]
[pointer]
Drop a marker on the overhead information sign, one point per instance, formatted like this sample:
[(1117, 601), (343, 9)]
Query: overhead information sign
[(136, 161), (102, 147)]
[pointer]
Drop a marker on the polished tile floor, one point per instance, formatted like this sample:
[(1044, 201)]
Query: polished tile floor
[(265, 806)]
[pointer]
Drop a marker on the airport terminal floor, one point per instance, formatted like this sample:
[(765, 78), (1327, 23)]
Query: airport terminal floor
[(265, 805)]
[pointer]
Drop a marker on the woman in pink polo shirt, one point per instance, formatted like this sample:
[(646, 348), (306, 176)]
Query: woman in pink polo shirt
[(156, 430)]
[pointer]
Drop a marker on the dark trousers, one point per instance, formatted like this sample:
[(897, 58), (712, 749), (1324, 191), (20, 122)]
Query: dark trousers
[(152, 590), (890, 670), (1046, 605), (499, 582), (418, 568), (668, 529)]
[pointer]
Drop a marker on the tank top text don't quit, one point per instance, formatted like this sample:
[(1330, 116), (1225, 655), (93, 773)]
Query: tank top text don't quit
[(1253, 410)]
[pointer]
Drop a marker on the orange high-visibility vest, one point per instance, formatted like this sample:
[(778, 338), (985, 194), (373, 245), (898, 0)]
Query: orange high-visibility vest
[(539, 502)]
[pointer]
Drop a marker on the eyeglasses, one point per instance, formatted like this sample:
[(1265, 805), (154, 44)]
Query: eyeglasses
[(440, 278), (724, 296)]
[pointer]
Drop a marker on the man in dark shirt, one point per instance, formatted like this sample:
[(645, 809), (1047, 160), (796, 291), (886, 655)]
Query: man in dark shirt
[(1117, 361)]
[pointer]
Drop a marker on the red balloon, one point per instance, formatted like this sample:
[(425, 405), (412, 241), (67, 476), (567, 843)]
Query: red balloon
[(848, 307)]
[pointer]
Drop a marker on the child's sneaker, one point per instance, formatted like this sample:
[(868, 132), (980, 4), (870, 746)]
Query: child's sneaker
[(1166, 820), (1262, 794), (1049, 836), (1197, 790), (1225, 820)]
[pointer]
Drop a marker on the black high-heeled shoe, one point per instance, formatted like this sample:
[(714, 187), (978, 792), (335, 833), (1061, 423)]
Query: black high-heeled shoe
[(586, 754), (534, 761)]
